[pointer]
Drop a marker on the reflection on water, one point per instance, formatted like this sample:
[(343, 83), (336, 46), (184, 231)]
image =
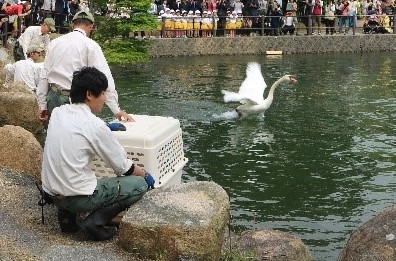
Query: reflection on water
[(318, 165)]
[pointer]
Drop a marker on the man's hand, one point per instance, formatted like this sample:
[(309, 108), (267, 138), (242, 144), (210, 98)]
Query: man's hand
[(43, 116), (123, 116)]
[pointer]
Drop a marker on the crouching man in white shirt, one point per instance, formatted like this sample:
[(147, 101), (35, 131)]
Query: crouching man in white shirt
[(27, 71), (74, 137)]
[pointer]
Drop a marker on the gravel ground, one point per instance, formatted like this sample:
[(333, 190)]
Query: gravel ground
[(24, 237)]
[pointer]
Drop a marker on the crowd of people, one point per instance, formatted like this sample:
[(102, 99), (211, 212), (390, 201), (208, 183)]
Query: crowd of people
[(206, 18), (231, 18), (35, 11)]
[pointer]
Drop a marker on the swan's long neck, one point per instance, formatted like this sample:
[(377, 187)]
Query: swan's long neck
[(273, 87)]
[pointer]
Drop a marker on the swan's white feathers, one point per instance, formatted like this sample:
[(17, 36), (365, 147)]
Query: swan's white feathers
[(231, 96), (251, 91), (253, 86)]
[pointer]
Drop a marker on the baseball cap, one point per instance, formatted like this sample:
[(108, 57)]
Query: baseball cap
[(34, 48), (51, 23), (84, 15)]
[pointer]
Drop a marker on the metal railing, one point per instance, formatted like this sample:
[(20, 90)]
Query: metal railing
[(250, 25), (262, 25)]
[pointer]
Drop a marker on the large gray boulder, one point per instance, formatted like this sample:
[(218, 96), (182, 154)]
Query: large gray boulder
[(19, 107), (272, 245), (20, 151), (182, 222), (374, 240)]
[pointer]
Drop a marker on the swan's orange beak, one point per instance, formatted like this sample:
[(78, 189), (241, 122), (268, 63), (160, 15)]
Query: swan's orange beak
[(292, 79)]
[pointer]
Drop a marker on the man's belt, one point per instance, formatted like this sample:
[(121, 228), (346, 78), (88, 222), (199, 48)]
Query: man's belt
[(58, 89), (61, 197)]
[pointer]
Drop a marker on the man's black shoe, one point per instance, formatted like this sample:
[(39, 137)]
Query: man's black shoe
[(67, 221)]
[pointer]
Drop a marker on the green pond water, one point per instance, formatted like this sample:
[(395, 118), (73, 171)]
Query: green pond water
[(318, 165)]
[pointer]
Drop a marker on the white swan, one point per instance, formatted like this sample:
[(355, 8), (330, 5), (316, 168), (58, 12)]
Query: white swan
[(251, 92)]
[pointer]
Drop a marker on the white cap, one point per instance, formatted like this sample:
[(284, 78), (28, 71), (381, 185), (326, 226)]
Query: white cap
[(209, 12), (233, 12), (205, 12), (197, 12), (177, 11), (184, 11), (161, 12), (172, 11), (167, 9), (190, 12)]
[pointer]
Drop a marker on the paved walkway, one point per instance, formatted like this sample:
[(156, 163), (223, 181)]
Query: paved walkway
[(23, 237)]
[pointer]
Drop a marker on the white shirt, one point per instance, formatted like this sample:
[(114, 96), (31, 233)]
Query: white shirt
[(238, 6), (47, 5), (26, 71), (67, 54), (74, 136), (289, 21), (33, 36)]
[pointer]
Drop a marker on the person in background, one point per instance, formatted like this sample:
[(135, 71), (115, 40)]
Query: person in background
[(317, 16), (160, 23), (263, 7), (66, 173), (239, 24), (69, 53), (276, 21), (19, 10), (83, 6), (163, 6), (197, 24), (211, 5), (288, 26), (253, 7), (184, 24), (343, 20), (47, 8), (27, 71), (292, 8), (308, 6), (330, 17), (153, 8), (238, 6), (2, 21), (215, 20), (352, 13), (206, 21), (34, 35), (190, 24), (222, 8), (61, 15)]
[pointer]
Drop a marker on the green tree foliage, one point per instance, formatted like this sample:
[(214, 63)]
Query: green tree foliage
[(115, 30)]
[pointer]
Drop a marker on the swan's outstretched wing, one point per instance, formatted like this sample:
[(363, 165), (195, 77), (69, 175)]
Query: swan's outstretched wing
[(231, 96), (253, 86)]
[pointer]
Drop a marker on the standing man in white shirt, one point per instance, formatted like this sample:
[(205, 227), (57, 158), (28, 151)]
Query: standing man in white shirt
[(67, 54), (34, 35), (27, 71), (74, 137)]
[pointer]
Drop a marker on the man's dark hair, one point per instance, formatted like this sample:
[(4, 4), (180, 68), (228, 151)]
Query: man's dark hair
[(87, 79)]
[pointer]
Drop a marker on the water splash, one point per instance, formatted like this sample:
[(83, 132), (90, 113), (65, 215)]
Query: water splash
[(228, 115)]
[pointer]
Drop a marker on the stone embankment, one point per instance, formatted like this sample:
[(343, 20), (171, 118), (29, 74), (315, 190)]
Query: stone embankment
[(259, 45)]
